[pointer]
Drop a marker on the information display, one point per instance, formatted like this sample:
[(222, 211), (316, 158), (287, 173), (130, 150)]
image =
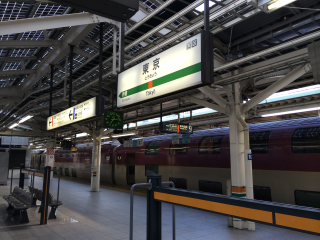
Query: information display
[(172, 70), (79, 112), (13, 140), (175, 128)]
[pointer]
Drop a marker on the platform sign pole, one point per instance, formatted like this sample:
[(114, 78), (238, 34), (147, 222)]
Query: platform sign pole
[(70, 75), (96, 160), (100, 107), (51, 82), (45, 195), (121, 46), (153, 209), (21, 178)]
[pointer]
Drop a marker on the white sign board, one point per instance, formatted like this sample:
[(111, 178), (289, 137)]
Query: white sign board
[(12, 140), (128, 143), (140, 142), (175, 139), (79, 112), (174, 69)]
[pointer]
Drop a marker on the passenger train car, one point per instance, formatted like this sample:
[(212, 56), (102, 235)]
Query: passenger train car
[(286, 161)]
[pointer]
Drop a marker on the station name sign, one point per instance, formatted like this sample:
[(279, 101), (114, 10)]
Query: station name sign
[(175, 69), (79, 112), (175, 128)]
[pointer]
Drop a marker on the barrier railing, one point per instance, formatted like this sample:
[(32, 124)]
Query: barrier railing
[(298, 218), (149, 185)]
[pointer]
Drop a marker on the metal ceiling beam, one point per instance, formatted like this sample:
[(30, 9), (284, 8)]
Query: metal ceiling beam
[(42, 23), (4, 59), (272, 27), (73, 36), (206, 104), (260, 68), (91, 42), (18, 72), (275, 87), (214, 96), (272, 50), (29, 43), (82, 52)]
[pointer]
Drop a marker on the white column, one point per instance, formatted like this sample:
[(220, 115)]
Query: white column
[(236, 134), (241, 168), (96, 161)]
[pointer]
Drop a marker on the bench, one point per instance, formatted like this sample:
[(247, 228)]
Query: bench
[(20, 201), (52, 202)]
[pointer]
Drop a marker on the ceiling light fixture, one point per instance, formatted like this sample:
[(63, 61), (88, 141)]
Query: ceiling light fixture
[(123, 135), (279, 4), (290, 112), (25, 118), (13, 125)]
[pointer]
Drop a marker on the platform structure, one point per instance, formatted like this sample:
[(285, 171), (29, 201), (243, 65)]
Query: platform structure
[(105, 215)]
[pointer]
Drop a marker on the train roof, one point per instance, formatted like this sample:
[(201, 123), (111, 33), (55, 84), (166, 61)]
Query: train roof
[(252, 127)]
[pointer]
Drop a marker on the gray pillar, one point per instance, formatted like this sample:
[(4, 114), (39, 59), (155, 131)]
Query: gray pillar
[(96, 161)]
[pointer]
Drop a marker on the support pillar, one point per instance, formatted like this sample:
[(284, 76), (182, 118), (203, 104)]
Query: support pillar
[(239, 147), (96, 160)]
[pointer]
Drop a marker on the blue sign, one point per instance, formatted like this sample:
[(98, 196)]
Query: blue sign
[(185, 138), (249, 157), (134, 143)]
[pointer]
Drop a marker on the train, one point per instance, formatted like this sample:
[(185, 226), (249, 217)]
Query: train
[(285, 161)]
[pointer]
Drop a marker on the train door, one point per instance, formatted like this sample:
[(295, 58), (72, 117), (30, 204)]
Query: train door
[(131, 169)]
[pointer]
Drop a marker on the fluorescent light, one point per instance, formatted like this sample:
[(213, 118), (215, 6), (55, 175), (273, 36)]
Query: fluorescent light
[(13, 125), (279, 4), (25, 118), (290, 112), (123, 135), (105, 137), (201, 7), (81, 134)]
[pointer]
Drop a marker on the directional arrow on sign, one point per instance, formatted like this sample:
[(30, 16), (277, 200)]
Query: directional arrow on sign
[(70, 115)]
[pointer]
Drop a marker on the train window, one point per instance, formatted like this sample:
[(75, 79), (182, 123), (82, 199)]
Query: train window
[(151, 169), (178, 149), (307, 198), (153, 148), (306, 140), (259, 141), (210, 145)]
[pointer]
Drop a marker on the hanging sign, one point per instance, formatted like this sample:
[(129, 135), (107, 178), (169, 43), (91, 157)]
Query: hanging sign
[(13, 140), (185, 138), (166, 127), (135, 143), (140, 142), (175, 69), (79, 112), (128, 143), (175, 139)]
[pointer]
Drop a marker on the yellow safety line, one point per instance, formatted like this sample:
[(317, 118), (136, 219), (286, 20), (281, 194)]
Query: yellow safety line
[(306, 224), (249, 213)]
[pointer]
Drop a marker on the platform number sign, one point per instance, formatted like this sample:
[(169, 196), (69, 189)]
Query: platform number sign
[(249, 157)]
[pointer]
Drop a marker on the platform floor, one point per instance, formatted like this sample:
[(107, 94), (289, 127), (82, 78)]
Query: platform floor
[(105, 215)]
